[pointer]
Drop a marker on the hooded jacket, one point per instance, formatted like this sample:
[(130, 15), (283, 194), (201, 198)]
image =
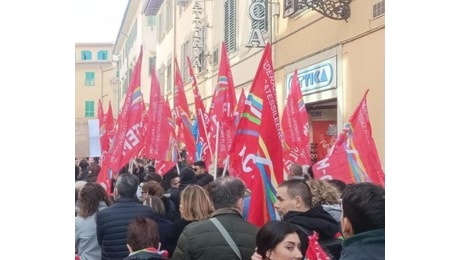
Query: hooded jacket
[(315, 219)]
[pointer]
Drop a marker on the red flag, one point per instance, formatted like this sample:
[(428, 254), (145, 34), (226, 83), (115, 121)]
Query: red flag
[(104, 177), (256, 153), (161, 167), (240, 106), (204, 153), (128, 139), (353, 158), (294, 124), (314, 250), (222, 109), (109, 125), (160, 137), (182, 114)]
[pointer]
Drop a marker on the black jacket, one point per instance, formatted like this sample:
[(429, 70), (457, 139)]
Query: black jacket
[(315, 219), (112, 226), (204, 179), (173, 236)]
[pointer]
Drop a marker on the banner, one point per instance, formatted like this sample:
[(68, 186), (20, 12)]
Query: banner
[(256, 153), (353, 158)]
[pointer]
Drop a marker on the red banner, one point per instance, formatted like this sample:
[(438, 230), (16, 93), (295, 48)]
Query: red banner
[(256, 153), (353, 158), (182, 113), (222, 110), (128, 138), (295, 126), (160, 137), (203, 149)]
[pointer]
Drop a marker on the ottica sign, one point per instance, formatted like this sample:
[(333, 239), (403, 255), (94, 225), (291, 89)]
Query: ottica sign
[(318, 77)]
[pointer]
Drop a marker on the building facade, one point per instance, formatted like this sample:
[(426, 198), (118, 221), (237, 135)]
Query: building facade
[(339, 54), (95, 79)]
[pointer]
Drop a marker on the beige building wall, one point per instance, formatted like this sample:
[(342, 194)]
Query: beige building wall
[(308, 37), (104, 89), (135, 31), (298, 41)]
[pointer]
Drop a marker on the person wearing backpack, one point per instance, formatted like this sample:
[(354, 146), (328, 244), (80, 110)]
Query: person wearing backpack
[(294, 205), (363, 222)]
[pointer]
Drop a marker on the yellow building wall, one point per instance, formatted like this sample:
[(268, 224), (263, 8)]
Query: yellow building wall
[(364, 68), (360, 46)]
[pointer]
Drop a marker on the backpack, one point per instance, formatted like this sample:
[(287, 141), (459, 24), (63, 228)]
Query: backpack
[(331, 246)]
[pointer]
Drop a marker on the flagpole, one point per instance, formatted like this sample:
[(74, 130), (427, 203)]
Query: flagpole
[(225, 165), (217, 147)]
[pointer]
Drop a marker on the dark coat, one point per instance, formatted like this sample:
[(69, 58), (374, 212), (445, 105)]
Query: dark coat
[(315, 219), (204, 179), (369, 245), (173, 236), (174, 196), (202, 240), (171, 212), (112, 226)]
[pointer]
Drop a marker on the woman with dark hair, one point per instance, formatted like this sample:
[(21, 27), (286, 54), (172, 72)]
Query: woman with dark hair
[(277, 240), (92, 198)]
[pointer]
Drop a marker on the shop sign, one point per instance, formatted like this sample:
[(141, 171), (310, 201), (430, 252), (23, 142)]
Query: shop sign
[(318, 77)]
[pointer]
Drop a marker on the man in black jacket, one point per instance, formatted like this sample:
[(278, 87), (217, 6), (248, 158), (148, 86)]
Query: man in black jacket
[(112, 222), (203, 178), (293, 203)]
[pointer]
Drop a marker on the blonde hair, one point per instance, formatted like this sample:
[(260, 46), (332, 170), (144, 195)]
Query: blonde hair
[(195, 203), (323, 193)]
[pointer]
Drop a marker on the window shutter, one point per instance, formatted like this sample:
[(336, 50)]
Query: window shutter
[(230, 25)]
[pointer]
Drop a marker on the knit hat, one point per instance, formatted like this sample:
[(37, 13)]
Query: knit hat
[(187, 176)]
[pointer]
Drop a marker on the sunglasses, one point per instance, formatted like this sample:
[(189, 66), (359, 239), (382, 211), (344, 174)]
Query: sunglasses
[(195, 169)]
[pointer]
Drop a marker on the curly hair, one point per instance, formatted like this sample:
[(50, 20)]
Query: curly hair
[(90, 195), (323, 193), (153, 188)]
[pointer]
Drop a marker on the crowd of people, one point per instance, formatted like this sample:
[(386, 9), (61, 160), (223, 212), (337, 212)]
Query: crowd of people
[(189, 214)]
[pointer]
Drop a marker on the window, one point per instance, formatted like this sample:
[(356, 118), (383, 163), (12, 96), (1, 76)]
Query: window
[(89, 79), (215, 57), (230, 25), (378, 9), (102, 55), (86, 55), (186, 51), (152, 61), (151, 20), (89, 108)]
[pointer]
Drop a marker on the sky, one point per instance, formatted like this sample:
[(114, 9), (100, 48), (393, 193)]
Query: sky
[(99, 21)]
